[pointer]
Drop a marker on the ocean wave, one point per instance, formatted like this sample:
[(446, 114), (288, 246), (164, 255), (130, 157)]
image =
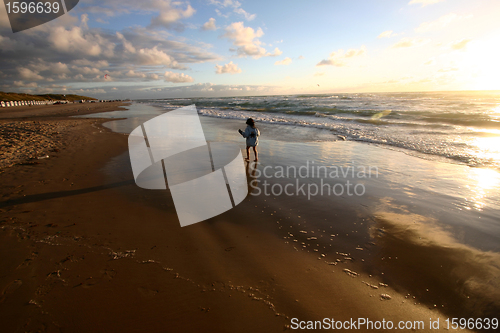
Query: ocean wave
[(432, 124), (425, 143)]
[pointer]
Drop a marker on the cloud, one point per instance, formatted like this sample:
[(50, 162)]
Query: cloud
[(170, 14), (410, 42), (28, 74), (220, 13), (460, 44), (275, 53), (247, 41), (53, 67), (354, 53), (227, 68), (203, 90), (331, 62), (209, 25), (177, 77), (64, 52), (84, 21), (248, 17), (164, 13), (386, 34), (179, 51), (22, 84), (126, 44), (285, 61), (301, 57), (449, 69), (154, 56), (85, 62), (77, 41), (339, 58), (241, 35), (7, 44), (440, 23), (59, 68), (424, 2), (319, 73), (85, 91), (430, 62), (89, 72), (132, 73), (235, 5)]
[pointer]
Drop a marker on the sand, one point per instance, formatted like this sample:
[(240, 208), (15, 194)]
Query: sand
[(84, 249)]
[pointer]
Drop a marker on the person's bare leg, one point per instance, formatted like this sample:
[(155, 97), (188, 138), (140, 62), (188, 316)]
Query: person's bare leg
[(256, 154), (248, 153)]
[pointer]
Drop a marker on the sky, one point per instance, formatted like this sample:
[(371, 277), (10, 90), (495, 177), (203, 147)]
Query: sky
[(117, 49)]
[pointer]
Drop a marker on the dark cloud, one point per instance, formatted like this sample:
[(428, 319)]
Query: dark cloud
[(65, 52)]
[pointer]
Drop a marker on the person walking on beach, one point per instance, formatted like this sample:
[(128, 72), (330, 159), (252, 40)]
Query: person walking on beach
[(252, 135)]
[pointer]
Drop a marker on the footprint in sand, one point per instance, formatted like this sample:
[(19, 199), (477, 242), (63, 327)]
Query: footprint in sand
[(10, 288), (146, 292), (107, 274), (28, 261)]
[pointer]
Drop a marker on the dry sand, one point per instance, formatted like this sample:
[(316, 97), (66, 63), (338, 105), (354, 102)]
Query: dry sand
[(86, 250)]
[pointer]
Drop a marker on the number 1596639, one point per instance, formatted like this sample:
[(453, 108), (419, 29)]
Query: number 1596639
[(32, 7)]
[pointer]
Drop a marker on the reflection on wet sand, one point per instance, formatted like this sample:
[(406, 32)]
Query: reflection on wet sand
[(422, 258)]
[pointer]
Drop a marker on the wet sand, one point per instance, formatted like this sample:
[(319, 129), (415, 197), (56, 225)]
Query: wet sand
[(84, 249)]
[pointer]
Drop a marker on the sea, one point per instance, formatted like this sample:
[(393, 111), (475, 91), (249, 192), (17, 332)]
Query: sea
[(460, 127)]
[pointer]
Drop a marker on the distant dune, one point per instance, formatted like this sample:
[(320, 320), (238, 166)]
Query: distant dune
[(47, 97)]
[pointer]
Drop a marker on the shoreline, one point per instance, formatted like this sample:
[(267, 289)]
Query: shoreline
[(131, 266)]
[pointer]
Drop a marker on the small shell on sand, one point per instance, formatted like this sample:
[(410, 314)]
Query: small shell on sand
[(385, 297), (350, 273)]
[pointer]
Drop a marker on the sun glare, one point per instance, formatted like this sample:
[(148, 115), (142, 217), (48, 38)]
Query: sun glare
[(486, 180), (482, 60), (489, 144), (488, 147)]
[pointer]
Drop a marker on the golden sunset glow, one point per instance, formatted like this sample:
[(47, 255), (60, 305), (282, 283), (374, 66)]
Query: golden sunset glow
[(481, 60)]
